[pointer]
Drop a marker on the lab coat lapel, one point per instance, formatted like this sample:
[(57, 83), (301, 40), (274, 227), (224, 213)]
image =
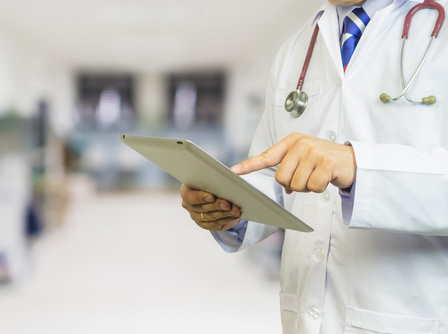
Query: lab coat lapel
[(329, 29), (372, 33)]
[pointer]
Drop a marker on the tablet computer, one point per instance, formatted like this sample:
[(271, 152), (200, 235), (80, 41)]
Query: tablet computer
[(191, 165)]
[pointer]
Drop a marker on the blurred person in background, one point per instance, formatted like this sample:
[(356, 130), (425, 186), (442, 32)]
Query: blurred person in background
[(371, 178)]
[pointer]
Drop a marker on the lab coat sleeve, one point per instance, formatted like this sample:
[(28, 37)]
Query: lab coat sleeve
[(400, 189), (231, 239)]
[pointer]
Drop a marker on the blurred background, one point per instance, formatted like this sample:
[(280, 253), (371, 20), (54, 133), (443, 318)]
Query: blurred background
[(92, 236)]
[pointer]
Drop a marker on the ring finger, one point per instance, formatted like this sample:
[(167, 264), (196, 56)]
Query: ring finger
[(213, 216)]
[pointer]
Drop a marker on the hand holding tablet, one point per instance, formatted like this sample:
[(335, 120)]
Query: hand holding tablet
[(195, 168)]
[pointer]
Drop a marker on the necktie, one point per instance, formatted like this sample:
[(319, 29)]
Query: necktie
[(354, 24)]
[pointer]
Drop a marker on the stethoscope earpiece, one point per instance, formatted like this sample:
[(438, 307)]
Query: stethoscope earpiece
[(385, 98), (429, 100)]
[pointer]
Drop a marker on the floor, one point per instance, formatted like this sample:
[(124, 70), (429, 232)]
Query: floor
[(135, 263)]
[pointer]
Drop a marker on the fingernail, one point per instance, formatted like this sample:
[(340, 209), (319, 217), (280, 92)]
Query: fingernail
[(209, 199), (224, 206), (234, 211), (236, 168)]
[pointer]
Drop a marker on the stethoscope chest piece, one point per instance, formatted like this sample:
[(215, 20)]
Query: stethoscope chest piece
[(296, 103)]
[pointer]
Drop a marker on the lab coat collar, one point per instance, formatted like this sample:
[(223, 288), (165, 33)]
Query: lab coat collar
[(329, 30), (327, 20), (317, 16)]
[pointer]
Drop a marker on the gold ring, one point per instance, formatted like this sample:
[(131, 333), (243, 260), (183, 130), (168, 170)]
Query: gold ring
[(203, 218)]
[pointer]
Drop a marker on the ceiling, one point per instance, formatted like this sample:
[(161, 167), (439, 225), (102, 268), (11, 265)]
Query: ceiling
[(154, 34)]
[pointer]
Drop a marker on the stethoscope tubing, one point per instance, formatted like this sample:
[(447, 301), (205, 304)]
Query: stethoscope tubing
[(430, 4), (297, 101), (308, 58), (405, 86)]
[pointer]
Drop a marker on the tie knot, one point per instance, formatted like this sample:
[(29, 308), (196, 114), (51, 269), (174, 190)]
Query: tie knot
[(355, 22)]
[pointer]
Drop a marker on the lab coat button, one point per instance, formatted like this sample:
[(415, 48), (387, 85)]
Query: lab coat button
[(319, 255), (314, 313), (326, 196), (332, 136)]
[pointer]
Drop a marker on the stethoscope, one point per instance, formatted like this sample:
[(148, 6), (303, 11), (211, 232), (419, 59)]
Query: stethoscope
[(297, 101)]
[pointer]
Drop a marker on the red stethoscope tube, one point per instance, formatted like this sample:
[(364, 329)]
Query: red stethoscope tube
[(308, 58), (426, 4)]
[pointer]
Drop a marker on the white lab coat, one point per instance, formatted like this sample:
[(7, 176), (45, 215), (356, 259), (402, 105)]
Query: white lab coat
[(384, 269)]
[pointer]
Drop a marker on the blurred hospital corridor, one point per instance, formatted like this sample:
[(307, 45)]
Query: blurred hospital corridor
[(134, 263), (93, 238)]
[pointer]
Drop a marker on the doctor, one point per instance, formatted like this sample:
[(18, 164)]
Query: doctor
[(370, 178)]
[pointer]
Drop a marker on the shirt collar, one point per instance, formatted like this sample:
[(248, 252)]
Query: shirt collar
[(370, 6)]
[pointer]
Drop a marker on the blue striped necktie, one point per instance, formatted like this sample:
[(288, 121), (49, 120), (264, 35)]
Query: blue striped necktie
[(354, 24)]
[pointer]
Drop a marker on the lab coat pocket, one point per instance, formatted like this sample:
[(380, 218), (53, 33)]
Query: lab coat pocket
[(289, 305), (359, 321)]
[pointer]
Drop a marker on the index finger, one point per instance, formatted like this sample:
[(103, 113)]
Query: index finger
[(195, 197), (269, 158)]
